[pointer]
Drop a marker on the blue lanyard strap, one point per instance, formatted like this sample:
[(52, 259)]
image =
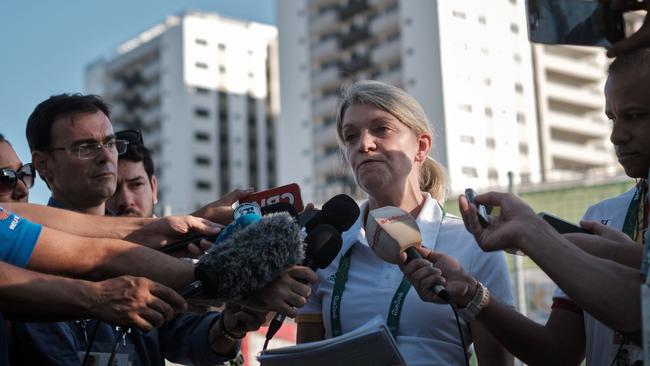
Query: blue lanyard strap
[(341, 277)]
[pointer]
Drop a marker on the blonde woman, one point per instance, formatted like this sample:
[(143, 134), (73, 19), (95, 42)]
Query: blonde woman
[(386, 139)]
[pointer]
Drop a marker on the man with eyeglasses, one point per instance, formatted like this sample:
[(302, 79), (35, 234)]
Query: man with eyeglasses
[(75, 151)]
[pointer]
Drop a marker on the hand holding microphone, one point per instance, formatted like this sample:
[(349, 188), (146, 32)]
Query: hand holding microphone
[(391, 231)]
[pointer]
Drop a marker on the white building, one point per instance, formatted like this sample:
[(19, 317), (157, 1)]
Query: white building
[(467, 62), (204, 91)]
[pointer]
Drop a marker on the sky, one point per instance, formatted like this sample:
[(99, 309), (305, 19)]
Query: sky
[(46, 46)]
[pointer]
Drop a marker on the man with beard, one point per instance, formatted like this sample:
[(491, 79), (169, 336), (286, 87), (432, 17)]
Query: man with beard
[(75, 151), (137, 188)]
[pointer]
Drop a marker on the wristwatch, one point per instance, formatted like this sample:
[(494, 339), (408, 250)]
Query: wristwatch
[(480, 300), (226, 333)]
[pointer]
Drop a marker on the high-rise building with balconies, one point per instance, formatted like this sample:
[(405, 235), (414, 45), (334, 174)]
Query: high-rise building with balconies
[(203, 90), (573, 129), (467, 62)]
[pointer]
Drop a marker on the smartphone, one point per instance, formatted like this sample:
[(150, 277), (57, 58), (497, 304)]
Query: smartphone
[(562, 226), (481, 211), (574, 22)]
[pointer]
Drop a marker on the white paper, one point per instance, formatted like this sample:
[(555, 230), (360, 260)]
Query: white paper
[(371, 344)]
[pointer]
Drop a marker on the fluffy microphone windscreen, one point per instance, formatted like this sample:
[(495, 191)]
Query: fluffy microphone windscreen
[(323, 244), (341, 211), (390, 231), (250, 258)]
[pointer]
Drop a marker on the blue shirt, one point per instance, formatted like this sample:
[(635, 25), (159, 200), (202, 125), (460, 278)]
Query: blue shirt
[(17, 238), (183, 340)]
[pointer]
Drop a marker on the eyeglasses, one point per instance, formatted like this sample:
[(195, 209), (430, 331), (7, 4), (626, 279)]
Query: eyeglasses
[(134, 137), (9, 177), (90, 150)]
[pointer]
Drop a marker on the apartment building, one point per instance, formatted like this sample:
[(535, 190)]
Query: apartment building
[(467, 62), (203, 89)]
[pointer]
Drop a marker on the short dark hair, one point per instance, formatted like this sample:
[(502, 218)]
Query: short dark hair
[(139, 153), (636, 61), (39, 124)]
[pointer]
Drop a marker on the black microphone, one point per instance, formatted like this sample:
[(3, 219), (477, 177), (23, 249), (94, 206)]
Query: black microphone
[(248, 260), (323, 244), (341, 211)]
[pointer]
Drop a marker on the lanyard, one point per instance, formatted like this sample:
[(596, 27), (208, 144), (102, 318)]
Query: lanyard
[(396, 304), (633, 224)]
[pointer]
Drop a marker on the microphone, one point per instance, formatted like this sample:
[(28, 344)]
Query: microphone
[(390, 231), (244, 215), (248, 259), (323, 244), (341, 211)]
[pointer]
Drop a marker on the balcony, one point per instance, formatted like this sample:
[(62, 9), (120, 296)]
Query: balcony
[(354, 36), (353, 8), (151, 71), (587, 99), (325, 106), (325, 135), (330, 163), (591, 127), (326, 77), (385, 23), (355, 65), (393, 77), (384, 53), (326, 49), (324, 22), (587, 69), (579, 155)]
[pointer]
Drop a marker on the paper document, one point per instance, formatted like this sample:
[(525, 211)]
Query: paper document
[(369, 345)]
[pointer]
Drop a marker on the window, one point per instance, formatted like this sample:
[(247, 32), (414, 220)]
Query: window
[(202, 136), (490, 143), (201, 112), (523, 148), (517, 58), (521, 118), (203, 185), (222, 69), (467, 139), (458, 14), (493, 174), (482, 20), (487, 81), (519, 88), (202, 160), (200, 90), (469, 172), (201, 65), (488, 112), (221, 46), (201, 42), (465, 107), (514, 28)]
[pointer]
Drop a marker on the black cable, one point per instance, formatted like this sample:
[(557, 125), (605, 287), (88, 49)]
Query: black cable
[(618, 353), (120, 334), (266, 344), (460, 332), (90, 343)]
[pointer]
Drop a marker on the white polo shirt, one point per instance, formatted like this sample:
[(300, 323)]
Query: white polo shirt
[(427, 333), (601, 344)]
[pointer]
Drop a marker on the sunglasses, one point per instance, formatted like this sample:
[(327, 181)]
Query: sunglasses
[(9, 177), (134, 137)]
